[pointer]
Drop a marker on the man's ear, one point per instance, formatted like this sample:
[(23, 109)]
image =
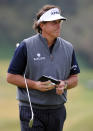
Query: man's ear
[(41, 25)]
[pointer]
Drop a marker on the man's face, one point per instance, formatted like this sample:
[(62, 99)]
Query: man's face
[(52, 28)]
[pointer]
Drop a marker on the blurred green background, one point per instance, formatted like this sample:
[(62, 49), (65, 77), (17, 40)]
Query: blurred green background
[(16, 20)]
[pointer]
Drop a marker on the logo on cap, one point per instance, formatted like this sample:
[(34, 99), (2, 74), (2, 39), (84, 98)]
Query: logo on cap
[(54, 12)]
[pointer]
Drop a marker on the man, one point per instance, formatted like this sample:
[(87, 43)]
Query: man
[(44, 54)]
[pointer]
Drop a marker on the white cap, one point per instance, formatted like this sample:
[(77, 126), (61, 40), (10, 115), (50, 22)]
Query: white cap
[(51, 15)]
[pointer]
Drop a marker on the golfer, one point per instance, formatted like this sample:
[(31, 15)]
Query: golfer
[(45, 53)]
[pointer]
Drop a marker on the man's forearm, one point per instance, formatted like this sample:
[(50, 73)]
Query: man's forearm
[(72, 81), (18, 80)]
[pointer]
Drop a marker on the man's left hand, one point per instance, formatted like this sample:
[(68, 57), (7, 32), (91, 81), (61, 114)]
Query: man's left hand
[(60, 88)]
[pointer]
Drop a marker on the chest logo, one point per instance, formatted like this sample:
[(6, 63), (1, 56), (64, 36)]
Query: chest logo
[(39, 57)]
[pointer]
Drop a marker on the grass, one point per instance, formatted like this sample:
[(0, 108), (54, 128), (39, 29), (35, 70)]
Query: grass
[(79, 105), (8, 104), (79, 110)]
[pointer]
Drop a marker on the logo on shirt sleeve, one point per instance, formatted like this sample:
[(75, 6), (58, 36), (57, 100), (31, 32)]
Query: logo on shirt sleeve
[(74, 67)]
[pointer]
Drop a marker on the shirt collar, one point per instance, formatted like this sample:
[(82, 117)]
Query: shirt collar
[(44, 40)]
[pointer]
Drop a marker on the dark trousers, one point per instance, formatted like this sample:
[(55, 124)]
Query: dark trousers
[(44, 119)]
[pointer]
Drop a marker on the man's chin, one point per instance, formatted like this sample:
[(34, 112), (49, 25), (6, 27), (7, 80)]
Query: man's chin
[(58, 34)]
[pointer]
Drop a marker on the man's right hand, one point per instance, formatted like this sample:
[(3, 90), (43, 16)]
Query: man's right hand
[(44, 86)]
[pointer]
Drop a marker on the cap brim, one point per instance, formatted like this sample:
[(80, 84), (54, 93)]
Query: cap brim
[(55, 18)]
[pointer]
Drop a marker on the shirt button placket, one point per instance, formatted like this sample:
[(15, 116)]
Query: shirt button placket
[(51, 57)]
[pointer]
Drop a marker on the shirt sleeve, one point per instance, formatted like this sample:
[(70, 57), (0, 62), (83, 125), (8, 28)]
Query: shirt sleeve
[(74, 65), (19, 60)]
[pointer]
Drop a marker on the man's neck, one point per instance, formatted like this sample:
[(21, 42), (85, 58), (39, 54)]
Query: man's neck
[(50, 40)]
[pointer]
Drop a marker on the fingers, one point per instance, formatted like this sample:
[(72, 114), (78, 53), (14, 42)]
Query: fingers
[(59, 91), (46, 82), (46, 86), (49, 86)]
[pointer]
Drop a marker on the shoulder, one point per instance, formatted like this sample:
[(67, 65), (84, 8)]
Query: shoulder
[(66, 45), (21, 45), (65, 42), (31, 39), (21, 48)]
